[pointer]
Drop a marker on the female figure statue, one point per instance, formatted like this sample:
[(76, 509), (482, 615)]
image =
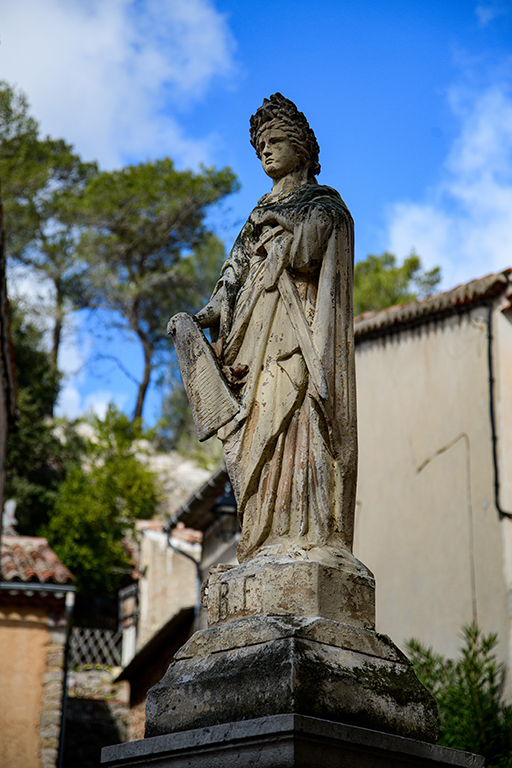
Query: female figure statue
[(281, 320), (282, 316)]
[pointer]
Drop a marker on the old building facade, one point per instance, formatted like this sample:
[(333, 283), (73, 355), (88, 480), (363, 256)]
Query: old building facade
[(36, 602), (434, 501)]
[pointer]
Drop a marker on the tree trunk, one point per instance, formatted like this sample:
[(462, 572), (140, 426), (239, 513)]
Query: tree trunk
[(57, 332), (143, 386), (57, 328)]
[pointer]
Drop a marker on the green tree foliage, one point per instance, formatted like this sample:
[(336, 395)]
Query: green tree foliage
[(36, 176), (37, 457), (469, 694), (176, 430), (379, 282), (98, 503), (19, 155), (149, 251)]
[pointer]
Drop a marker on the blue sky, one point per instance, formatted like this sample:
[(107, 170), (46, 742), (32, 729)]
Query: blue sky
[(411, 103)]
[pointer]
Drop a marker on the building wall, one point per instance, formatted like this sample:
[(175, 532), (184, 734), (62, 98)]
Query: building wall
[(23, 655), (32, 646), (168, 581), (502, 328), (426, 523)]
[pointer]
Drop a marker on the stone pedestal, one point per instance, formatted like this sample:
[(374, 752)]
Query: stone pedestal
[(265, 666), (291, 637), (284, 741)]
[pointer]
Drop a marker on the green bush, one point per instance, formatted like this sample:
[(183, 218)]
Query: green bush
[(98, 503), (469, 693)]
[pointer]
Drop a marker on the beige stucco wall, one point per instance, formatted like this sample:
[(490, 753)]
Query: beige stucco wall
[(502, 328), (168, 581), (23, 657), (426, 523)]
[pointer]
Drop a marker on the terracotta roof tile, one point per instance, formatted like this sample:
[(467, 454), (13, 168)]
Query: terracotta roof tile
[(186, 534), (463, 295), (29, 558)]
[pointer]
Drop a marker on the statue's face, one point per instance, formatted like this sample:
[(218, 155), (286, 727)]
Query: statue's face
[(278, 155)]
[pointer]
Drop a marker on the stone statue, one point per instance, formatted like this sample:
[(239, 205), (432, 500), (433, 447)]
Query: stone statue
[(281, 315), (291, 629)]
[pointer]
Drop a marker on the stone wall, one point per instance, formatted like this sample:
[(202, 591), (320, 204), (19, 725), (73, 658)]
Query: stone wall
[(51, 709)]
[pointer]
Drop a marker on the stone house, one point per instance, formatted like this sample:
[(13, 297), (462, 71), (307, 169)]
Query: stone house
[(36, 603)]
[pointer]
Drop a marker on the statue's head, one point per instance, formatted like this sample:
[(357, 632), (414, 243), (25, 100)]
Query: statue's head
[(282, 115)]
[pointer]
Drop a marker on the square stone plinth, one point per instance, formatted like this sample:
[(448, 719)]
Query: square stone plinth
[(284, 741), (269, 666)]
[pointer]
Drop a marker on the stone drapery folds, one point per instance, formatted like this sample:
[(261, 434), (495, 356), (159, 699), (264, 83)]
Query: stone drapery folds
[(284, 309)]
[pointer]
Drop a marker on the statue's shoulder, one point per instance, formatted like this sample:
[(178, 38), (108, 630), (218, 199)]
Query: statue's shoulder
[(328, 199), (300, 201), (329, 193), (323, 189)]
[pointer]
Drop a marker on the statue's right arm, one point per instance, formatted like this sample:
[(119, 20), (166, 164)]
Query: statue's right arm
[(210, 314), (217, 313)]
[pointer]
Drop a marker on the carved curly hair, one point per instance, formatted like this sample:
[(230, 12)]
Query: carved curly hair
[(283, 112)]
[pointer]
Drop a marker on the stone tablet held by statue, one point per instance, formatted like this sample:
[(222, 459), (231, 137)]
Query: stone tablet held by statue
[(210, 398)]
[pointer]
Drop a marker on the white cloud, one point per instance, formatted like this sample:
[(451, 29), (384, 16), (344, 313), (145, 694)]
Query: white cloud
[(75, 353), (488, 12), (465, 222), (69, 404), (72, 404), (74, 350), (103, 74), (33, 293), (98, 402)]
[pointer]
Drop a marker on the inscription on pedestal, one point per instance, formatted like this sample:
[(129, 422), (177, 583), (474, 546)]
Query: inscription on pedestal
[(252, 594), (288, 588), (229, 597)]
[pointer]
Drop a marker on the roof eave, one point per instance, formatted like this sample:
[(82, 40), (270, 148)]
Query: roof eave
[(459, 300)]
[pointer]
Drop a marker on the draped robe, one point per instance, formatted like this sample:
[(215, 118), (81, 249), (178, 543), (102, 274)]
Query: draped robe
[(286, 311)]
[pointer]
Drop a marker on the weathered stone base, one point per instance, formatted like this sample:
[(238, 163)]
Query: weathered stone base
[(265, 666), (284, 741)]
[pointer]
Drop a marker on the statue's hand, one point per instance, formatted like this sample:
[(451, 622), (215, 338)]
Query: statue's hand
[(268, 217), (210, 315), (278, 259), (266, 238)]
